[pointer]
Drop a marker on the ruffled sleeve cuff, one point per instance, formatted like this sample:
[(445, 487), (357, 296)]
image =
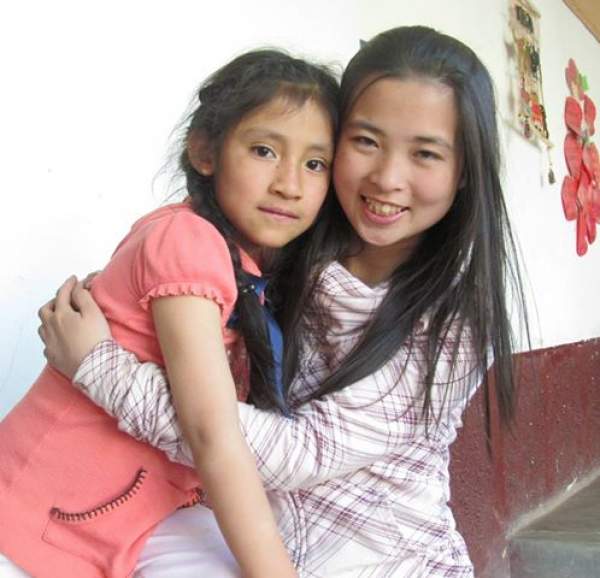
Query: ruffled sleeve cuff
[(179, 289)]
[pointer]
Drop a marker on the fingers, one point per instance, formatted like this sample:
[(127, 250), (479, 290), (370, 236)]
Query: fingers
[(46, 310), (63, 295), (60, 304), (82, 299), (87, 282), (42, 332), (47, 315)]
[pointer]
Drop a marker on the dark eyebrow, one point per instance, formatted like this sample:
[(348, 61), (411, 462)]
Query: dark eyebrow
[(325, 149), (421, 139), (364, 125), (320, 147), (262, 133), (434, 141)]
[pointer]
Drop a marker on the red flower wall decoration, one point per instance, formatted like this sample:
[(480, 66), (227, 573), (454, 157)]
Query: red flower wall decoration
[(581, 187)]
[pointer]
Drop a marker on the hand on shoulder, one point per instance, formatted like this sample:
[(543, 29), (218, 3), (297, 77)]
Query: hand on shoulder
[(72, 324)]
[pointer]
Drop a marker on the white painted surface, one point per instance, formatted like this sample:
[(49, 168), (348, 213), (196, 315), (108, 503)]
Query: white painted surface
[(91, 91)]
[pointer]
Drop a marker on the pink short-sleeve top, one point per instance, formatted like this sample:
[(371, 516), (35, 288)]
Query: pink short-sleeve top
[(78, 497), (171, 251)]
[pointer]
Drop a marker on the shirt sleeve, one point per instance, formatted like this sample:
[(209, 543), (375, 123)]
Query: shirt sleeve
[(136, 394), (323, 439), (183, 254), (359, 425)]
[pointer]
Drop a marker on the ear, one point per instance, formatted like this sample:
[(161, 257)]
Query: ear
[(200, 153)]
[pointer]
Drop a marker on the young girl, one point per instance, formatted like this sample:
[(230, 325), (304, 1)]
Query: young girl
[(78, 498), (402, 312)]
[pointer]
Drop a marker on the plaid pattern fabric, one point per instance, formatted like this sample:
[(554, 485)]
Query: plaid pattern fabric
[(357, 481)]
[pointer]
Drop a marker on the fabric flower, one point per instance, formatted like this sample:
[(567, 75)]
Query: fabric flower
[(581, 187)]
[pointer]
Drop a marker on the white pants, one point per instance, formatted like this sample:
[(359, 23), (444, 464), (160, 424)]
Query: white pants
[(188, 544), (10, 570)]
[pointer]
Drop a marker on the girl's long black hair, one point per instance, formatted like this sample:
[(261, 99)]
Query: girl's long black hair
[(458, 276), (246, 83)]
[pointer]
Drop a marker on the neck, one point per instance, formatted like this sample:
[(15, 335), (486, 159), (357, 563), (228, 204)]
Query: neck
[(266, 259), (374, 265)]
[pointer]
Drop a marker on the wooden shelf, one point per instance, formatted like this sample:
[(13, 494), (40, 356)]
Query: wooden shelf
[(588, 11)]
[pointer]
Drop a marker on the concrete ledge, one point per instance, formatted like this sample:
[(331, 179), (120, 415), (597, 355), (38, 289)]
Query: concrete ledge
[(565, 543)]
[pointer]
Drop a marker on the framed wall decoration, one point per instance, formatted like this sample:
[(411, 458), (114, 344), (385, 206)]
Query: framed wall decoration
[(530, 109)]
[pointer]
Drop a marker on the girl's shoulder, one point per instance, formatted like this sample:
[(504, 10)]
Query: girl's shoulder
[(174, 231), (181, 214), (177, 229), (172, 251)]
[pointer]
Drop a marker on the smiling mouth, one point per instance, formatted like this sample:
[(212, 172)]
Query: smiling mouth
[(383, 209)]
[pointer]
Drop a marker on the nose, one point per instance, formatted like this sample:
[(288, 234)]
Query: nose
[(286, 180), (390, 173)]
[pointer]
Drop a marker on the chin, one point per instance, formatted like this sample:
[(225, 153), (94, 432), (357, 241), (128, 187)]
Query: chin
[(378, 241), (273, 244)]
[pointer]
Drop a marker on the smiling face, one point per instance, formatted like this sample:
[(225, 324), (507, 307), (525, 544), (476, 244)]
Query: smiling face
[(272, 173), (397, 168)]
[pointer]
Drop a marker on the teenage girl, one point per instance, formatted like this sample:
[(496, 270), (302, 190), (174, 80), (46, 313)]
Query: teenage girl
[(403, 311), (78, 498)]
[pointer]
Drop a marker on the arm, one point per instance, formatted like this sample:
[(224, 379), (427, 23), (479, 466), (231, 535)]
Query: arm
[(190, 336), (325, 439), (78, 343), (348, 430), (137, 395)]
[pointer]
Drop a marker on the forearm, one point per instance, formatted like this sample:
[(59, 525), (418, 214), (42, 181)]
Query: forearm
[(235, 492), (365, 422), (136, 394), (291, 453), (204, 395)]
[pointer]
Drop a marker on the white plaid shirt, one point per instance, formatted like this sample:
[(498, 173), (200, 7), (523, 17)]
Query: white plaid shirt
[(358, 487)]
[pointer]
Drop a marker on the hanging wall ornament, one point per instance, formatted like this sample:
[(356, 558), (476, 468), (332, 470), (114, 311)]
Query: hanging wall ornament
[(531, 111), (581, 187)]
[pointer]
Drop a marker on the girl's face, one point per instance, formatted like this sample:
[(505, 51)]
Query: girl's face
[(397, 168), (273, 172)]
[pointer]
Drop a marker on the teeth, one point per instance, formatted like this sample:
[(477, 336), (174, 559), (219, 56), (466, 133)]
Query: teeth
[(383, 209)]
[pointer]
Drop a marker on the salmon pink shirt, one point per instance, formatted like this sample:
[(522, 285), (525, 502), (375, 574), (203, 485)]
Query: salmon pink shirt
[(78, 498)]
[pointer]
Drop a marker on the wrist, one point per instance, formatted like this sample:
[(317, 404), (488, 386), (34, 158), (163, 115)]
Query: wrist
[(102, 351)]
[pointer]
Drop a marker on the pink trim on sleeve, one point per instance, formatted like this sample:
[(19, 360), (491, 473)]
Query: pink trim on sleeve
[(182, 289)]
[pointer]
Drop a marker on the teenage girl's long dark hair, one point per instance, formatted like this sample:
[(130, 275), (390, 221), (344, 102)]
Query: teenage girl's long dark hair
[(241, 86), (458, 276)]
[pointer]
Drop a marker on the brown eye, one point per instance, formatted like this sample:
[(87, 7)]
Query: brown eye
[(427, 155), (317, 165), (364, 141), (263, 151)]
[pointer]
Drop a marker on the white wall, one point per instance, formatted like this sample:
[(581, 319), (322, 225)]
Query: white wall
[(92, 90)]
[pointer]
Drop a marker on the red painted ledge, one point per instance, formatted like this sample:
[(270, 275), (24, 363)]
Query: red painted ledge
[(555, 440)]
